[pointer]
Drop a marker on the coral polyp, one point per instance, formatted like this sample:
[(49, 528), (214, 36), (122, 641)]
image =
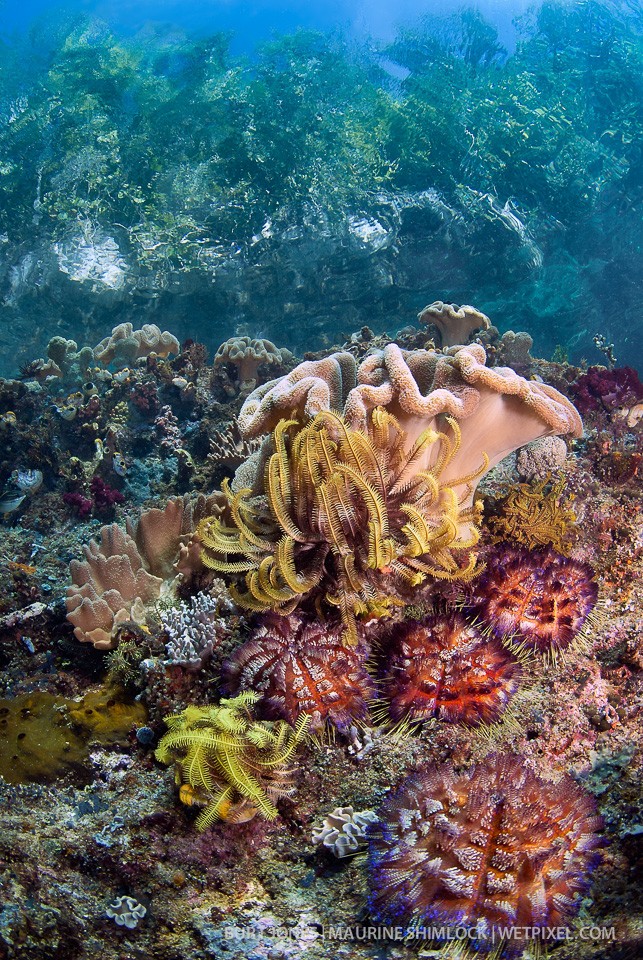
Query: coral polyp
[(538, 598), (301, 668), (350, 517), (487, 848), (443, 667)]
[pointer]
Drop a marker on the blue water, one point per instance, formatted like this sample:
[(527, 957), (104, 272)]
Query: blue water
[(502, 167)]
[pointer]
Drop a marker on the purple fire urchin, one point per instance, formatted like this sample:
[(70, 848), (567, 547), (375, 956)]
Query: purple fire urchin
[(302, 666), (538, 598), (488, 848), (443, 667)]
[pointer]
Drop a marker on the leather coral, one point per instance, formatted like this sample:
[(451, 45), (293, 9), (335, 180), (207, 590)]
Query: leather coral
[(126, 570), (367, 484)]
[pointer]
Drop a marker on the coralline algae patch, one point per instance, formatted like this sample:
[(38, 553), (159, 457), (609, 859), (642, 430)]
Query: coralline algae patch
[(44, 736)]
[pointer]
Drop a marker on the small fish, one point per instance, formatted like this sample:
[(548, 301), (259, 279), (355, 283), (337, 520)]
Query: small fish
[(27, 480), (9, 418), (119, 464), (10, 501), (122, 376), (76, 399)]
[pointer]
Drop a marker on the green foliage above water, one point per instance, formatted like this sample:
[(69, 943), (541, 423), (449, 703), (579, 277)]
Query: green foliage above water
[(313, 182)]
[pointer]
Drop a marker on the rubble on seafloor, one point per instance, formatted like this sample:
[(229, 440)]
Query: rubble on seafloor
[(97, 857)]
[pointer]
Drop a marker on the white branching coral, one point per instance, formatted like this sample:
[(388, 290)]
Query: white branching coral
[(195, 629)]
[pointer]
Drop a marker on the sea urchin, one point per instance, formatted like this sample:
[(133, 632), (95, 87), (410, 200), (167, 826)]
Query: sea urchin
[(489, 848), (443, 667), (300, 666), (536, 597)]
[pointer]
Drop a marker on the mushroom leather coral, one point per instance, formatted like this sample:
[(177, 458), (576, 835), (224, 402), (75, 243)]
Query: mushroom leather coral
[(347, 517), (110, 585), (497, 411), (128, 568)]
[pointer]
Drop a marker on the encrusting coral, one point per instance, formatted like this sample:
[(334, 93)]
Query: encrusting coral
[(229, 762), (488, 848)]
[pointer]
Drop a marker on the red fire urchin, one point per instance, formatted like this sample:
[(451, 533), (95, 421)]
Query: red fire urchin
[(537, 597), (302, 666), (490, 848), (443, 667)]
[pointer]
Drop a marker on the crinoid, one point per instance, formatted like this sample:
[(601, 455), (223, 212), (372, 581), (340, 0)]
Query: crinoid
[(301, 667), (491, 848), (229, 762), (349, 517), (536, 515), (536, 598), (443, 667)]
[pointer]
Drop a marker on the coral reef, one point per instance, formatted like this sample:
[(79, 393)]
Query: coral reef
[(538, 598), (487, 848), (228, 761), (444, 668), (300, 667)]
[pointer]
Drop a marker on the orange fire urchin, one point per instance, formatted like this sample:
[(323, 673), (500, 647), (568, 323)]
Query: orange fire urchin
[(489, 848), (443, 667), (538, 598), (301, 666)]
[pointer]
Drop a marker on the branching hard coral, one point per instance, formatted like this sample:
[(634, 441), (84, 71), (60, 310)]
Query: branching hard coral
[(489, 848), (300, 667), (348, 517), (193, 629), (229, 762), (535, 515)]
